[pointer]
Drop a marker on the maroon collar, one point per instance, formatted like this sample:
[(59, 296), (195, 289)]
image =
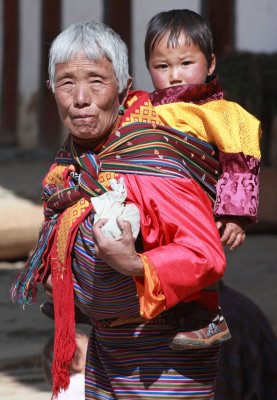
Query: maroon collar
[(197, 94)]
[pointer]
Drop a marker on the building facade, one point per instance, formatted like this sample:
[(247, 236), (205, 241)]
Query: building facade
[(28, 115)]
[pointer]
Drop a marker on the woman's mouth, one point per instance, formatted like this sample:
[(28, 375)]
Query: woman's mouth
[(83, 119)]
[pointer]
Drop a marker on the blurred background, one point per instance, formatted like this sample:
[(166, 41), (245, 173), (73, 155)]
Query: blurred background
[(245, 43)]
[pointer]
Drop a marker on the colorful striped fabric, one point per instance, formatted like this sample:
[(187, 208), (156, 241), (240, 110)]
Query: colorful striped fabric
[(145, 149), (156, 149), (135, 362), (101, 291)]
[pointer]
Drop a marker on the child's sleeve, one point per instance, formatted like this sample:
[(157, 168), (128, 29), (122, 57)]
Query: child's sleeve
[(237, 190)]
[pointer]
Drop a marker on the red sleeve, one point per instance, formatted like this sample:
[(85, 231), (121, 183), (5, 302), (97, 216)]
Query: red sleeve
[(179, 234)]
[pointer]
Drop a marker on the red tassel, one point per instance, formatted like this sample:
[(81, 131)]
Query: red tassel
[(63, 295), (64, 343)]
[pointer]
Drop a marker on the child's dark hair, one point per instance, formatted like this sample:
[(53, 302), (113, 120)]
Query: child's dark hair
[(193, 25)]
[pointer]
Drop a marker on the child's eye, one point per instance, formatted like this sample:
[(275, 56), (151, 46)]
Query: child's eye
[(187, 62), (161, 66)]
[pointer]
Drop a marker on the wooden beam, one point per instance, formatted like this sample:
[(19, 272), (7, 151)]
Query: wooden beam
[(49, 120), (10, 72), (220, 14), (117, 14)]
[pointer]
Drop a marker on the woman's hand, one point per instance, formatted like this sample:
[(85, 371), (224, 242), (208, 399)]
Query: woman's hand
[(119, 254), (48, 287)]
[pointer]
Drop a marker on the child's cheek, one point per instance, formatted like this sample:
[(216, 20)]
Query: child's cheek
[(159, 80)]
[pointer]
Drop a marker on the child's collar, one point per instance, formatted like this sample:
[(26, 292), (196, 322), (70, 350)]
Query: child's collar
[(190, 93)]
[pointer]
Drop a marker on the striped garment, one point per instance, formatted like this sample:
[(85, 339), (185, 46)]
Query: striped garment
[(102, 292), (132, 361), (135, 362)]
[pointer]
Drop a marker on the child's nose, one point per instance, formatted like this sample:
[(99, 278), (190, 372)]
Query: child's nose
[(175, 76)]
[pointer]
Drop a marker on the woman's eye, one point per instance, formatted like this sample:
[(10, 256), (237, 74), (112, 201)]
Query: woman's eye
[(96, 81), (65, 84), (187, 62)]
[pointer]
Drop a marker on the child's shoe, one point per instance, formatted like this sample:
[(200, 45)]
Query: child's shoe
[(202, 329)]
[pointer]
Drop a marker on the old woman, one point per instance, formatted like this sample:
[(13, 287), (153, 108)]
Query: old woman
[(132, 291)]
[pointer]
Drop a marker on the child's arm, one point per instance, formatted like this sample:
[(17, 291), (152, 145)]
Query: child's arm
[(237, 189), (232, 231)]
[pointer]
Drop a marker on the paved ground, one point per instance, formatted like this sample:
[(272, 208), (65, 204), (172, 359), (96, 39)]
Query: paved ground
[(252, 269)]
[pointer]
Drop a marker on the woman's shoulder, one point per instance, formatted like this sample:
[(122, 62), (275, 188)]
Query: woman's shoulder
[(135, 95), (138, 108)]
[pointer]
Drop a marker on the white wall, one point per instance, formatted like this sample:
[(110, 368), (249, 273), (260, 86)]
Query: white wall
[(81, 10), (29, 69), (142, 12), (256, 23)]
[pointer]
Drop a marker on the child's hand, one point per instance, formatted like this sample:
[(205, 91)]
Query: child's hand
[(233, 232)]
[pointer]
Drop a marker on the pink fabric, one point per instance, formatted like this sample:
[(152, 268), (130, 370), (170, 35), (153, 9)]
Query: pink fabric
[(239, 162), (197, 94), (238, 186)]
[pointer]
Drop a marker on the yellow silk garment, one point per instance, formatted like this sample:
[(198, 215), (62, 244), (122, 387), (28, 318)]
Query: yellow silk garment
[(223, 123)]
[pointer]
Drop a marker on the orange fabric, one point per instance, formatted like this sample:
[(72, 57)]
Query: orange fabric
[(151, 298)]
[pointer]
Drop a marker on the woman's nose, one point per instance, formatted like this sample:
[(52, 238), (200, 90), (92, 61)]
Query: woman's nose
[(82, 96)]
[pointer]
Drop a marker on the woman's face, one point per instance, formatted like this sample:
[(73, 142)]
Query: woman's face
[(86, 93)]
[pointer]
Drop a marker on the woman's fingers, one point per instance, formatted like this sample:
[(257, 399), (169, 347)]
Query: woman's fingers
[(48, 287)]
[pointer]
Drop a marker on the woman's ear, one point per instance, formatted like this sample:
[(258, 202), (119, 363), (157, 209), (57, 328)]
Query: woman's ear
[(123, 96), (212, 65), (48, 84)]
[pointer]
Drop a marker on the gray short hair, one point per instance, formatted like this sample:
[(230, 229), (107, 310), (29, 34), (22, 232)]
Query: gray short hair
[(94, 40)]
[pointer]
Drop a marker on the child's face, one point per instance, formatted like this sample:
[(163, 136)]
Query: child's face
[(178, 66)]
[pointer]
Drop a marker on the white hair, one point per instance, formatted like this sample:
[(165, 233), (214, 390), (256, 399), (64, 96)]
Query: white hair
[(93, 40)]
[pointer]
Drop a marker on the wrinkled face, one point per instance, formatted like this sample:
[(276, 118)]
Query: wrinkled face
[(184, 64), (86, 93)]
